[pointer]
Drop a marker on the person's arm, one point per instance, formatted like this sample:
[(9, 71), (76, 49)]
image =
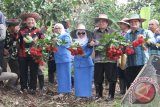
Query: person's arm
[(68, 41), (88, 52), (2, 32), (150, 36)]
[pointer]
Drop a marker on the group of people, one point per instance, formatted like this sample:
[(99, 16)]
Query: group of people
[(15, 41)]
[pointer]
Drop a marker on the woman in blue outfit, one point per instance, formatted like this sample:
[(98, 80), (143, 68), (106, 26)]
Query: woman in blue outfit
[(83, 66), (63, 61)]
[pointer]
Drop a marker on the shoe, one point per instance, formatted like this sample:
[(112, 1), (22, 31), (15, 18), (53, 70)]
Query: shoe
[(41, 92), (111, 91), (97, 97), (32, 92), (110, 98), (99, 92), (59, 96), (78, 99), (49, 91), (23, 91)]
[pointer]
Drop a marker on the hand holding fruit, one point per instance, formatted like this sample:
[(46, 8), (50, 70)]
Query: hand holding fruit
[(92, 43), (28, 39), (76, 51)]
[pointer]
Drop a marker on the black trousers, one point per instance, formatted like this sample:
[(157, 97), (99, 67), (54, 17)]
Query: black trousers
[(26, 63), (109, 71), (40, 78), (131, 73), (1, 53), (122, 80), (51, 70)]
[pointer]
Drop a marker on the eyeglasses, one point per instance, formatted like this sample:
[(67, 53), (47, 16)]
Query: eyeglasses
[(83, 33), (57, 28)]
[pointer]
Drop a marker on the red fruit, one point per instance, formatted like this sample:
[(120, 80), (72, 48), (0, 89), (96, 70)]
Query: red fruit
[(113, 53), (114, 50), (37, 60), (72, 53), (129, 51), (80, 51), (70, 49), (38, 54), (48, 48), (141, 40), (39, 49), (54, 49), (135, 43), (33, 51), (121, 47), (76, 52), (41, 63)]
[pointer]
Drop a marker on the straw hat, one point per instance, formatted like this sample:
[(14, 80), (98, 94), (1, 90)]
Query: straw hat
[(80, 27), (123, 21), (103, 16), (13, 22), (34, 15), (136, 17)]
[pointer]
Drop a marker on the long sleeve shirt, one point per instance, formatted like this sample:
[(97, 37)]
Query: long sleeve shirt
[(63, 54), (22, 45), (140, 56), (100, 57)]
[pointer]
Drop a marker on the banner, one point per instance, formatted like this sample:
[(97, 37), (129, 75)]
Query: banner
[(145, 91)]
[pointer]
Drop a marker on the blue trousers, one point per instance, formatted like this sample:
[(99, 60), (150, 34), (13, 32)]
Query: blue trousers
[(63, 73), (83, 77)]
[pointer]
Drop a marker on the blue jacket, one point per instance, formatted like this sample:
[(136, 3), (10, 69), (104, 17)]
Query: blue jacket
[(141, 56), (63, 54), (86, 60)]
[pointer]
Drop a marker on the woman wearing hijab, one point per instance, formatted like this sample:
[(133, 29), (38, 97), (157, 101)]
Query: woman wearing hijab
[(83, 65), (2, 36), (63, 61)]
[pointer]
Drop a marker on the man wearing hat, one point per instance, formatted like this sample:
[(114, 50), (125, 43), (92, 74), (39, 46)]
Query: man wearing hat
[(154, 27), (140, 57), (125, 27), (26, 42), (102, 64), (66, 25), (11, 47)]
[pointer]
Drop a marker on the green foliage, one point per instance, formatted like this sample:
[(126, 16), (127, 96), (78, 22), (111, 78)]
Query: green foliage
[(113, 39), (77, 11), (86, 13), (156, 10), (145, 13), (48, 9)]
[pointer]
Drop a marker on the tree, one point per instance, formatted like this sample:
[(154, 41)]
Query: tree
[(78, 11), (49, 9)]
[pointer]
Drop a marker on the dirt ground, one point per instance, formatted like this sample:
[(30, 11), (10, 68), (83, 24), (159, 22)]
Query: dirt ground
[(12, 98)]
